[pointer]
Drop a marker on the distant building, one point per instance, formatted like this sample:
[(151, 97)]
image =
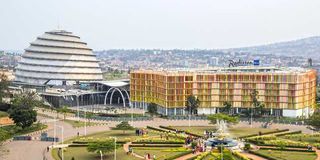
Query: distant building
[(289, 92), (57, 57)]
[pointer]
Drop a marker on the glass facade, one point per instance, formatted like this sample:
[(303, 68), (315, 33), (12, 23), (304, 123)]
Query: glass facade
[(278, 88)]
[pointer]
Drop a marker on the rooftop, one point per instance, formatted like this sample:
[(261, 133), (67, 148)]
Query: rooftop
[(242, 69)]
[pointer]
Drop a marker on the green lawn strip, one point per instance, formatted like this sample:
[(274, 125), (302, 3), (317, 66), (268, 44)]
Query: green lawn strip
[(3, 114), (199, 130), (7, 132), (310, 138), (77, 124), (161, 153), (127, 136), (81, 153), (287, 155)]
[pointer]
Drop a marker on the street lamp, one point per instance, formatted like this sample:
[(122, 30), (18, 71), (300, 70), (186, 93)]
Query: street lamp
[(115, 147), (101, 155), (85, 121), (61, 139), (78, 112)]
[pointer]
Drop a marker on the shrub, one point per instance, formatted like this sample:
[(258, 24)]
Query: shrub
[(247, 146), (239, 156)]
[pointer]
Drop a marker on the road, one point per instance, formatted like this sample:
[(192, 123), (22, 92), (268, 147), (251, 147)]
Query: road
[(34, 150)]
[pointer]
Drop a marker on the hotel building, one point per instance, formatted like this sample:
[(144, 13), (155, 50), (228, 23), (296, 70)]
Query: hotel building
[(289, 92)]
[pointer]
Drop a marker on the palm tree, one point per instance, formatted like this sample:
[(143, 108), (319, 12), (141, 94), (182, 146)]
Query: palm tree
[(192, 104), (64, 111), (227, 107), (89, 116)]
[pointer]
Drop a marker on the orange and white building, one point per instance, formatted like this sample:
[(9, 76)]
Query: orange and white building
[(289, 91)]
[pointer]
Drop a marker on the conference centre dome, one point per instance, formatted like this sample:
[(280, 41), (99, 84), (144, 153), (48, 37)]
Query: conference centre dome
[(58, 56)]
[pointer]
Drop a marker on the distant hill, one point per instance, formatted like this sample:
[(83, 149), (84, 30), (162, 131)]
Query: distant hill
[(309, 47)]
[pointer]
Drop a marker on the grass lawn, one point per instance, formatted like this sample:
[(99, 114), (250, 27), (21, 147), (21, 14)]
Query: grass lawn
[(244, 131), (310, 139), (81, 153), (3, 114), (7, 132), (129, 135), (234, 132), (195, 129), (76, 124), (161, 153), (288, 155)]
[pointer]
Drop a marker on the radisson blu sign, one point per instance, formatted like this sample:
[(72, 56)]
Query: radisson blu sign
[(233, 63)]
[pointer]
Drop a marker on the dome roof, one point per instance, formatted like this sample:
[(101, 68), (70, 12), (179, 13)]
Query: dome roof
[(58, 55)]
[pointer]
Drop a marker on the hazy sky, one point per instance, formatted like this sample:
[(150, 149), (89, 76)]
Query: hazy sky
[(185, 24)]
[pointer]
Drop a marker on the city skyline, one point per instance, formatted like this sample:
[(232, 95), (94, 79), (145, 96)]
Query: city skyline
[(161, 24)]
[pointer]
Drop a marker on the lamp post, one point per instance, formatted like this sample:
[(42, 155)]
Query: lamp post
[(78, 112), (189, 113), (62, 155), (221, 152), (251, 118), (115, 147), (85, 121), (101, 155), (143, 103)]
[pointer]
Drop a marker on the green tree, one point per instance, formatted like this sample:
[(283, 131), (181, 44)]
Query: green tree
[(192, 104), (103, 146), (22, 111), (64, 110), (4, 83), (152, 108), (314, 120), (220, 116), (258, 108), (124, 125), (227, 108), (89, 116)]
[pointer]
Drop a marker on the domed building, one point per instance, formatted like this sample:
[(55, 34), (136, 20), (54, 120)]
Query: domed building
[(58, 57)]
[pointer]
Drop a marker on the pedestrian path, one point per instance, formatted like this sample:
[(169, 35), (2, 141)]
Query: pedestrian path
[(126, 149)]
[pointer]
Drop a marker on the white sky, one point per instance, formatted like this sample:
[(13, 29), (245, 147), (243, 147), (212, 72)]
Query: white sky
[(184, 24)]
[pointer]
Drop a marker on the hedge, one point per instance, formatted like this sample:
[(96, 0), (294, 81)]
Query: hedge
[(156, 145), (264, 133), (288, 133), (262, 155), (173, 129), (287, 149), (178, 155), (169, 128), (86, 142), (239, 156), (276, 131), (156, 129), (163, 142), (269, 145)]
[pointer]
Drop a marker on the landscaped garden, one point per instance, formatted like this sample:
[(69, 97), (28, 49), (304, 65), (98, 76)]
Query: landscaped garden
[(77, 124), (143, 141), (287, 155), (7, 132), (81, 153)]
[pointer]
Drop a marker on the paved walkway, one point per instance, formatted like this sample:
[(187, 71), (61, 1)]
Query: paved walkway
[(126, 149), (34, 150), (318, 153)]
